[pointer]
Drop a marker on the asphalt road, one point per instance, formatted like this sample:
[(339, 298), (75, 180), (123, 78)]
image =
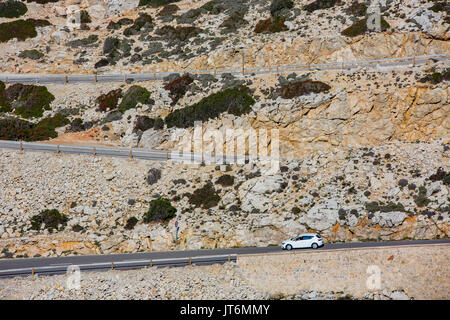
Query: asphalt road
[(62, 79), (59, 265)]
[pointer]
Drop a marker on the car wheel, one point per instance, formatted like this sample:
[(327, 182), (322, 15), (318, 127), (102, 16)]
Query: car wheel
[(314, 246), (289, 247)]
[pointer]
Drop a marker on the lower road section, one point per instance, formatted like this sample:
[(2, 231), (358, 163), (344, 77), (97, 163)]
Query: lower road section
[(60, 265)]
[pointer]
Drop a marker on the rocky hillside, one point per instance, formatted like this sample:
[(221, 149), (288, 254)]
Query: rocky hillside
[(366, 149), (63, 205)]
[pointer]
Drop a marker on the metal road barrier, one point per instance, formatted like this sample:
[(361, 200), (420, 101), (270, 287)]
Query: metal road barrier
[(120, 265), (140, 154), (136, 77)]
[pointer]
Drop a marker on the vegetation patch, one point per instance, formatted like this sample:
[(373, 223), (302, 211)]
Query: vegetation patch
[(360, 28), (178, 33), (51, 219), (12, 9), (421, 199), (39, 22), (233, 23), (437, 77), (168, 10), (178, 87), (144, 23), (155, 3), (389, 207), (302, 87), (109, 101), (271, 25), (86, 42), (357, 8), (131, 223), (31, 54), (278, 5), (5, 106), (226, 180), (133, 96), (29, 100), (119, 24), (205, 197), (160, 210), (19, 29), (321, 4), (236, 101)]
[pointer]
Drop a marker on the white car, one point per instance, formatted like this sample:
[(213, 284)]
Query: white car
[(305, 240)]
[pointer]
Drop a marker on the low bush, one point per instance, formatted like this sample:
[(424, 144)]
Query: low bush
[(271, 25), (30, 101), (5, 106), (321, 4), (51, 218), (143, 123), (78, 125), (31, 54), (92, 39), (178, 87), (236, 101), (233, 23), (19, 29), (110, 100), (119, 24), (39, 22), (143, 23), (12, 9), (160, 210), (421, 199), (156, 3), (153, 176), (278, 5), (213, 7), (437, 77), (178, 33), (389, 207), (226, 180), (302, 87), (205, 197), (360, 28), (168, 10), (131, 223), (133, 96), (357, 9)]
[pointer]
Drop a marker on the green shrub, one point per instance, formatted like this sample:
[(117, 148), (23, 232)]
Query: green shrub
[(160, 210), (272, 25), (158, 124), (133, 96), (31, 54), (168, 10), (375, 206), (178, 87), (236, 101), (51, 219), (213, 7), (77, 228), (360, 27), (278, 5), (109, 101), (142, 23), (119, 24), (156, 3), (437, 77), (178, 33), (30, 100), (19, 29), (39, 22), (205, 197), (357, 9), (131, 223), (421, 199), (233, 22), (321, 4), (83, 42), (143, 123), (226, 180), (302, 87), (12, 9), (5, 106)]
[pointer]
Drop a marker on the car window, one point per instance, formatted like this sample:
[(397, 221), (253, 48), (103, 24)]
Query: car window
[(307, 237), (299, 238)]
